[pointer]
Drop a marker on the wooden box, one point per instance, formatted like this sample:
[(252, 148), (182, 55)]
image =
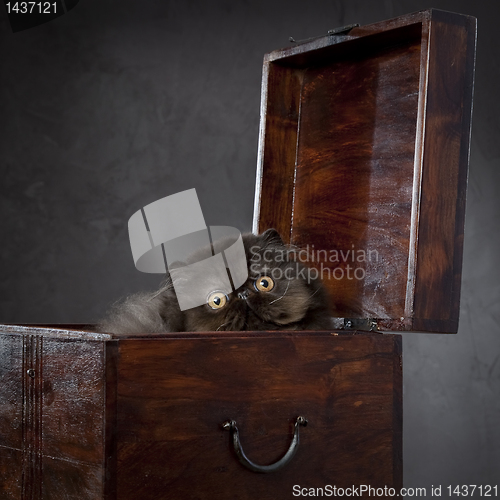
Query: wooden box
[(363, 148)]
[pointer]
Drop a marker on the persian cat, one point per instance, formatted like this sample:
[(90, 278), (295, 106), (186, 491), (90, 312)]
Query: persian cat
[(279, 294)]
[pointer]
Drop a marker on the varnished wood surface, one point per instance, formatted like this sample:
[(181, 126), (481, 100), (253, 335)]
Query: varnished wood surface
[(378, 162), (11, 417), (55, 407), (171, 404), (141, 417), (445, 167), (281, 100), (354, 170)]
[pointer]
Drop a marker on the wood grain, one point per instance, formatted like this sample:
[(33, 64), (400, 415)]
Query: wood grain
[(444, 172), (379, 165), (355, 170), (171, 405), (141, 417), (11, 399), (57, 410), (281, 124), (11, 478)]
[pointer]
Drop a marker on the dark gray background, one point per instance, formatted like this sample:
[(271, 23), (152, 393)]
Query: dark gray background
[(119, 103)]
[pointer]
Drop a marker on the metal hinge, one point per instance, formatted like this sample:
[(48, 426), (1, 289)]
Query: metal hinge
[(363, 324), (335, 32)]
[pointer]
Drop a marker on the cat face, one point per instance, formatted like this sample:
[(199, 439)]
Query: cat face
[(278, 293)]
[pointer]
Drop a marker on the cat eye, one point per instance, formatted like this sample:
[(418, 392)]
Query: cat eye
[(217, 300), (264, 284)]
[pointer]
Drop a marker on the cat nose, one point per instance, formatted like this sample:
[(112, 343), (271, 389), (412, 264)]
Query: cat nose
[(244, 294)]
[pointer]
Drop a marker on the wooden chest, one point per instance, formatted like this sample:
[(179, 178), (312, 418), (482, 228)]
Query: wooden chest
[(142, 417), (363, 161)]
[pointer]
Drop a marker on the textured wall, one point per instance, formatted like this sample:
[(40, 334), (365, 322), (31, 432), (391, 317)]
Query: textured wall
[(117, 104)]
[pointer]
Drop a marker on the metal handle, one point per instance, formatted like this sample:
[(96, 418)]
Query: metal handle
[(230, 425)]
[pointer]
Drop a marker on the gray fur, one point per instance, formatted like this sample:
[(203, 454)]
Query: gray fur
[(293, 303)]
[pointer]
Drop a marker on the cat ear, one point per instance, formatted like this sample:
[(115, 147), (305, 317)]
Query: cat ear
[(272, 236)]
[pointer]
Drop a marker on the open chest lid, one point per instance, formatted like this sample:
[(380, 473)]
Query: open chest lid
[(363, 160)]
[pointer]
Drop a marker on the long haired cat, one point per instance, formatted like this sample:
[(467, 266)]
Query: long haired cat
[(279, 294)]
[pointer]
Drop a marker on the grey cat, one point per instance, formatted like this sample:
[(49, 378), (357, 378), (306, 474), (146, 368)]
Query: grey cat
[(279, 294)]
